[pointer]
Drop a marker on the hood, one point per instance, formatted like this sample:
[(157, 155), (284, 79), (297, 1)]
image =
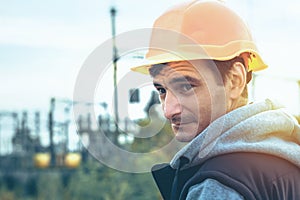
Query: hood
[(263, 127)]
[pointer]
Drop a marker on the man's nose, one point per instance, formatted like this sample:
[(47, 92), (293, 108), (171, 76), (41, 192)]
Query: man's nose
[(171, 106)]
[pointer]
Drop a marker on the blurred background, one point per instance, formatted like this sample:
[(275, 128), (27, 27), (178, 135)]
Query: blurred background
[(43, 45)]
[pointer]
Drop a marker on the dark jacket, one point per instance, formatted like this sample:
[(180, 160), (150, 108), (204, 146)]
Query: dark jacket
[(264, 128), (254, 175)]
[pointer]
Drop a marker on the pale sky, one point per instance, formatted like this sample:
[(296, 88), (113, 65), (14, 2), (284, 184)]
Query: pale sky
[(43, 44)]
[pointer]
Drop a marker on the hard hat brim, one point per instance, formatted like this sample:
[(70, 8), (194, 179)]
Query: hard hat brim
[(211, 52)]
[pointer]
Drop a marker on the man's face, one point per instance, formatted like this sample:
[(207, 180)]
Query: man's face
[(191, 97)]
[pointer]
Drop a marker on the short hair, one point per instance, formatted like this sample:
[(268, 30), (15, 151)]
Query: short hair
[(224, 68)]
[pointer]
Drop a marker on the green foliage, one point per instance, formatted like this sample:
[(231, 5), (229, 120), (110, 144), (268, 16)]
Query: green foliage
[(49, 186), (5, 194), (95, 181), (144, 145)]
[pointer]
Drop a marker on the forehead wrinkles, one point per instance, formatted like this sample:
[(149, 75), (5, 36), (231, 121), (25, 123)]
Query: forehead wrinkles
[(204, 70), (179, 68)]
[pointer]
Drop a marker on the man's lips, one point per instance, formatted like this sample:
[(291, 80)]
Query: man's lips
[(176, 126), (179, 122)]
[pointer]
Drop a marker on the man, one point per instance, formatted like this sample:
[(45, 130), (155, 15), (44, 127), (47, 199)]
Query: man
[(201, 58)]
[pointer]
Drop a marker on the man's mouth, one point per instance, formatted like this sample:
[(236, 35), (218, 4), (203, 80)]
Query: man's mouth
[(179, 122), (175, 126)]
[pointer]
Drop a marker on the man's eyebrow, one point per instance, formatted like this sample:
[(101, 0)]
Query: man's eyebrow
[(185, 79), (157, 84)]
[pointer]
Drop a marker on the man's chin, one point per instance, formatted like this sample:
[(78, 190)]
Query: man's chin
[(183, 136)]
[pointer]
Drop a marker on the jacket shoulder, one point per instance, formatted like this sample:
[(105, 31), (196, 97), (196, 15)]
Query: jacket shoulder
[(253, 175)]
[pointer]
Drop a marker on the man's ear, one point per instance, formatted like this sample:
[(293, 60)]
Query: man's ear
[(238, 80)]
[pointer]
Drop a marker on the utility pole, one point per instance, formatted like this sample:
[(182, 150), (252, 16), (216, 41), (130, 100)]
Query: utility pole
[(113, 12), (51, 131), (37, 124)]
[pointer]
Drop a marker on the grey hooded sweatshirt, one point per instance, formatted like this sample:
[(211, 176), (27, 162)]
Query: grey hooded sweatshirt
[(263, 127)]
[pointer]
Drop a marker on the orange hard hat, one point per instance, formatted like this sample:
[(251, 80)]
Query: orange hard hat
[(200, 30)]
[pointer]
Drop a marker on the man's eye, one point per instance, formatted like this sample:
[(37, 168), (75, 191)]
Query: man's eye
[(161, 91), (186, 87)]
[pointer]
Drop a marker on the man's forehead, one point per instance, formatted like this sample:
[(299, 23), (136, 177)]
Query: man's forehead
[(193, 67), (173, 72), (186, 71)]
